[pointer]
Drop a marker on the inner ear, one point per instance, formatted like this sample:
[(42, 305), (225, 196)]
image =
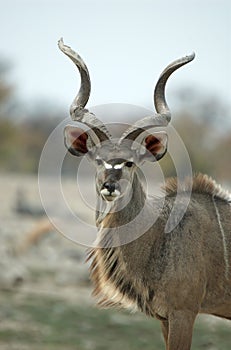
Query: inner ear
[(155, 145), (75, 140)]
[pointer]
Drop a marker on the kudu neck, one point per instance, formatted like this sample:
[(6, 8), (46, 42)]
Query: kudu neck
[(125, 208)]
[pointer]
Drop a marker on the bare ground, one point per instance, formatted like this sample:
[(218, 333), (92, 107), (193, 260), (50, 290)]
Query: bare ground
[(51, 267)]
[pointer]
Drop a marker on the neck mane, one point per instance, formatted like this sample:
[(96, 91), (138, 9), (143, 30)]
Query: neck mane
[(199, 183)]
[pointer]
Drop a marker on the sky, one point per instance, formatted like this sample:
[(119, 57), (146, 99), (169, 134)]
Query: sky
[(125, 43)]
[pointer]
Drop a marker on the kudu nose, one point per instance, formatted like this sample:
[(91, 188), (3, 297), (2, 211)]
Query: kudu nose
[(110, 190), (110, 186)]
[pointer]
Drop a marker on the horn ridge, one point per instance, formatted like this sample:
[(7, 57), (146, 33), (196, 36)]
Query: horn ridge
[(159, 91), (77, 110), (83, 94), (163, 116)]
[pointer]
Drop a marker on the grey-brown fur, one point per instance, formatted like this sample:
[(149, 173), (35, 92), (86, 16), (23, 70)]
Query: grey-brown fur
[(165, 273), (170, 275), (192, 252)]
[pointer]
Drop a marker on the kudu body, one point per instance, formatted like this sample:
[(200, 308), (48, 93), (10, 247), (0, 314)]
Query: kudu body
[(172, 276)]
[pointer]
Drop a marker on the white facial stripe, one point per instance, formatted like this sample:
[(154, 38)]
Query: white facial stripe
[(107, 165), (118, 166), (115, 166), (116, 193), (105, 192)]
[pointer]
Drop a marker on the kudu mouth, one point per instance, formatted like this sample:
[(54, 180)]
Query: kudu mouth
[(110, 190)]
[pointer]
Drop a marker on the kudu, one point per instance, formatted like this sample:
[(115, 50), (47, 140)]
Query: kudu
[(169, 275)]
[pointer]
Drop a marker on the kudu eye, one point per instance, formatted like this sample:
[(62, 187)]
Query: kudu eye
[(129, 164)]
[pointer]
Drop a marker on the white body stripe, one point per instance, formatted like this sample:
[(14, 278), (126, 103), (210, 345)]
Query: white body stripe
[(226, 254)]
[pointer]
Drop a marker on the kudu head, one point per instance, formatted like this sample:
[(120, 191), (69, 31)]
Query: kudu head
[(116, 160)]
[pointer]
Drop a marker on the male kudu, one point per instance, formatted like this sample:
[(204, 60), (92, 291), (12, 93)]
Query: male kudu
[(172, 276)]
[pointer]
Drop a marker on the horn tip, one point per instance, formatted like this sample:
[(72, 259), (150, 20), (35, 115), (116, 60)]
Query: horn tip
[(190, 57), (60, 43), (64, 48)]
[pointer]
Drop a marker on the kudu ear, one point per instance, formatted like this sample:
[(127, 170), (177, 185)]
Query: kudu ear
[(75, 140), (155, 146)]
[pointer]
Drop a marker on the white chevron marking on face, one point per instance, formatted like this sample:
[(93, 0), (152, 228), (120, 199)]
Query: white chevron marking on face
[(105, 192), (116, 166), (107, 165)]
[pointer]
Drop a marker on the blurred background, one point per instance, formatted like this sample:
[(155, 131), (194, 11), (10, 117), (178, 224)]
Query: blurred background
[(44, 286)]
